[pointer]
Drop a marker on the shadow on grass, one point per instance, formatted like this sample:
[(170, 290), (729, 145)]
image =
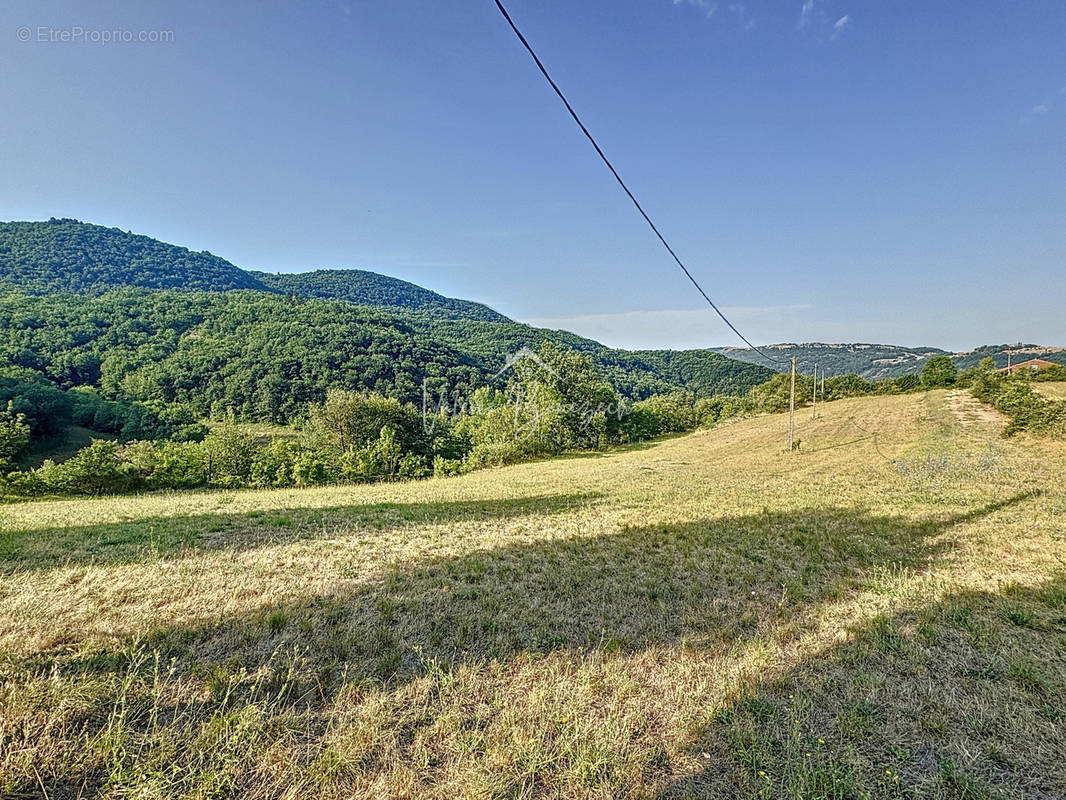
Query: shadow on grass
[(709, 583), (964, 699), (155, 538)]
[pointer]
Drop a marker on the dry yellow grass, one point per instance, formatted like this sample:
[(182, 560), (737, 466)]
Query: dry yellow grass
[(1053, 389), (702, 617)]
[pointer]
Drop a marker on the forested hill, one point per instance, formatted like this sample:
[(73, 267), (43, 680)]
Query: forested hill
[(876, 361), (372, 289), (870, 361), (142, 321), (64, 255)]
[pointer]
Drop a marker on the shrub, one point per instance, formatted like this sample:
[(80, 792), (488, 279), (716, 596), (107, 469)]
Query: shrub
[(14, 435), (1027, 409), (229, 454), (351, 420), (939, 371), (850, 385), (276, 464), (1056, 372), (178, 465), (909, 382), (94, 470)]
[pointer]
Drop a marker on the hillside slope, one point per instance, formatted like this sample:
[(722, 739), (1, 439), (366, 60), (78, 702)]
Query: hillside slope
[(702, 617), (142, 320), (65, 255)]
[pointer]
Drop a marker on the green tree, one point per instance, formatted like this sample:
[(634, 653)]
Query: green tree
[(772, 396), (96, 469), (562, 402), (351, 420), (908, 382), (939, 371), (14, 435), (229, 454), (850, 385)]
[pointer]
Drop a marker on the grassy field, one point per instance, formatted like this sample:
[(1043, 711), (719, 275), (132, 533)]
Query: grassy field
[(1053, 389), (874, 616)]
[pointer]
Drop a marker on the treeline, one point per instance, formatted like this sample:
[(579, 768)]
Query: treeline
[(257, 356), (352, 438), (370, 288), (264, 357), (869, 361), (33, 411), (554, 402)]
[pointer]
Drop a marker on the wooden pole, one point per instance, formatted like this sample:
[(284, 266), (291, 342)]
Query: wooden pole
[(814, 394), (792, 406)]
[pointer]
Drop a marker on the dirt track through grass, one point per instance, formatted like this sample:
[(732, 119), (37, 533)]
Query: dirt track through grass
[(704, 616)]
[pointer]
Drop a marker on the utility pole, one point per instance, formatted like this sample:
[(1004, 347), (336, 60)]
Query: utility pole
[(792, 406), (814, 395), (1009, 354)]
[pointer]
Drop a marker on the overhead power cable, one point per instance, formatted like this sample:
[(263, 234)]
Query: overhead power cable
[(622, 183)]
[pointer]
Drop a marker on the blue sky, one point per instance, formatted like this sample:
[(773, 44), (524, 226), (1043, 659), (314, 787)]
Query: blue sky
[(835, 170)]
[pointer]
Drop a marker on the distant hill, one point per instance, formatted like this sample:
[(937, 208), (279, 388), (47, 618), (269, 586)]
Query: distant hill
[(372, 289), (873, 361), (459, 340), (141, 320), (1017, 354)]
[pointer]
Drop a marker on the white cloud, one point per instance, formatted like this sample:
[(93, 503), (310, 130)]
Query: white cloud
[(746, 21), (814, 21), (706, 6), (1040, 109), (838, 26)]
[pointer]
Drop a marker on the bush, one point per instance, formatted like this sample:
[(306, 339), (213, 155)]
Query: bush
[(177, 465), (850, 385), (909, 382), (229, 455), (14, 435), (276, 464), (1056, 372), (939, 371), (447, 467), (1027, 409), (351, 420), (94, 470)]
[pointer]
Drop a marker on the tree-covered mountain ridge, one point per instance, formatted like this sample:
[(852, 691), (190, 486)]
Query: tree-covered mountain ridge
[(140, 320), (877, 361), (66, 255)]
